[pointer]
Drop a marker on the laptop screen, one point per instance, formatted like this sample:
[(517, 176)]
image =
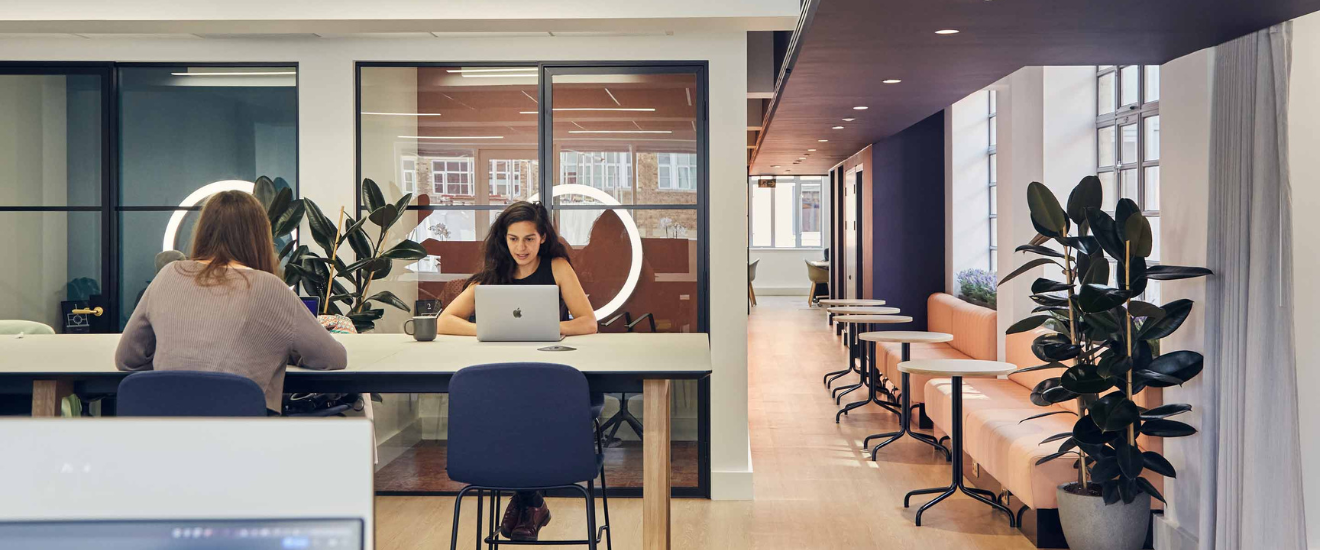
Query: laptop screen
[(283, 534), (313, 304)]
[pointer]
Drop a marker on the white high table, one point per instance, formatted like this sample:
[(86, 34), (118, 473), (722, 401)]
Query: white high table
[(50, 367)]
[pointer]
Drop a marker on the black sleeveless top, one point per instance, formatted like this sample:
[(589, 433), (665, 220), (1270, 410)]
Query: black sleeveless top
[(544, 275)]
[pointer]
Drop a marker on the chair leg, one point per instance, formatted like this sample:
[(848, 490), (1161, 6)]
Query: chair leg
[(494, 522), (480, 499), (605, 503), (458, 504), (590, 495)]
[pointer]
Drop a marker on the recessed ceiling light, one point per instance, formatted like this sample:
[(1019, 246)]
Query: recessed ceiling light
[(849, 119), (891, 81), (838, 127), (947, 31), (776, 166), (802, 158), (811, 150), (822, 140), (860, 108)]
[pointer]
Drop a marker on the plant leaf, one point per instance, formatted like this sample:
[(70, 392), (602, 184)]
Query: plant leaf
[(1129, 458), (1105, 469), (1138, 276), (1027, 324), (1042, 250), (372, 196), (1097, 274), (1053, 456), (1110, 493), (1149, 489), (1056, 437), (1173, 272), (1105, 230), (384, 215), (1088, 433), (1137, 231), (1165, 411), (323, 230), (405, 250), (1087, 245), (279, 204), (1097, 298), (1154, 379), (1054, 347), (1088, 193), (1047, 391), (290, 219), (264, 190), (388, 297), (1046, 214), (1026, 267), (1182, 365), (1158, 464), (1148, 310), (1053, 365), (1049, 301), (1114, 412), (1166, 428), (1083, 379), (1043, 415), (1175, 313), (1048, 285), (1124, 210)]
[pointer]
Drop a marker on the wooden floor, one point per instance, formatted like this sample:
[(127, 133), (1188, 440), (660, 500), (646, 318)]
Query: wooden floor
[(814, 486)]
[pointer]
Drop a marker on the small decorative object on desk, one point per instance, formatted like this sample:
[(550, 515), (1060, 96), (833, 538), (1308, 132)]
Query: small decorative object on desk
[(337, 324), (1105, 340)]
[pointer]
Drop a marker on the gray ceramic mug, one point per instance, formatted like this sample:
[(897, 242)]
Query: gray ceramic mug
[(423, 328)]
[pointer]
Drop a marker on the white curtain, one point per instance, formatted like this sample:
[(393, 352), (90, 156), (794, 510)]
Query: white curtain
[(1251, 448)]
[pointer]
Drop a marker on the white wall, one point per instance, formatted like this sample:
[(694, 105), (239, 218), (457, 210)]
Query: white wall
[(966, 187), (327, 148), (1304, 141), (1184, 202), (782, 272)]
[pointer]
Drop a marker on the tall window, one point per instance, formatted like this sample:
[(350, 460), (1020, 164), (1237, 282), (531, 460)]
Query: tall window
[(676, 171), (786, 214), (506, 176), (452, 176), (992, 161), (1128, 144), (408, 175)]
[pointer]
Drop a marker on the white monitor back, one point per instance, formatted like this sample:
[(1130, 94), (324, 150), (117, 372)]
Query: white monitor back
[(168, 469)]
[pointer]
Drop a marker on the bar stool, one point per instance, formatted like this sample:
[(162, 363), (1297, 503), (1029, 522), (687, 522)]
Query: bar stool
[(906, 338), (870, 374), (850, 341), (957, 369)]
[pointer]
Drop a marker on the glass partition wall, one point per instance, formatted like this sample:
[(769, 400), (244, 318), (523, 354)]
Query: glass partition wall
[(617, 153)]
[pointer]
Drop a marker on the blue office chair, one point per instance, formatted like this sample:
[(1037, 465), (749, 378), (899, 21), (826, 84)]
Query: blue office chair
[(189, 393), (523, 427)]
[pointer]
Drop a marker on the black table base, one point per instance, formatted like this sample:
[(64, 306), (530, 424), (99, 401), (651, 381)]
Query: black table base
[(905, 418), (957, 484)]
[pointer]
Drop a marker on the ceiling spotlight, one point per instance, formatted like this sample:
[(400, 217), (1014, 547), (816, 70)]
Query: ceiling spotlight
[(860, 108), (849, 119), (811, 150), (776, 166), (838, 127), (891, 81), (802, 158), (822, 140), (947, 31)]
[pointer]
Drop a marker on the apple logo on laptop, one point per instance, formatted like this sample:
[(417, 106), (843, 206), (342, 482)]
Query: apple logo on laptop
[(517, 313)]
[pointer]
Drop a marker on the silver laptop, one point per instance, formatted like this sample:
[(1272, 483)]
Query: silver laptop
[(518, 313)]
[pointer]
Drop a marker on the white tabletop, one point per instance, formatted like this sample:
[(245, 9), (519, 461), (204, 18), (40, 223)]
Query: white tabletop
[(862, 310), (906, 337), (877, 319), (851, 302), (957, 367), (388, 353)]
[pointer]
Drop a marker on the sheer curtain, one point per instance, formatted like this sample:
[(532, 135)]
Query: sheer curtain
[(1252, 452)]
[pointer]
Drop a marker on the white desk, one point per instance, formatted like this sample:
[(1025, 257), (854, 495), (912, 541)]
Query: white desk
[(53, 366)]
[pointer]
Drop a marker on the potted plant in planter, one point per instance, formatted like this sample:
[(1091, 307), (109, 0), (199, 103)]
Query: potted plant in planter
[(977, 286), (1111, 342)]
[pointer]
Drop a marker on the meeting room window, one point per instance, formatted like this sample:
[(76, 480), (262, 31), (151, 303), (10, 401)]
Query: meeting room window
[(676, 171), (1128, 144), (506, 176), (408, 175), (992, 168), (452, 176), (786, 211)]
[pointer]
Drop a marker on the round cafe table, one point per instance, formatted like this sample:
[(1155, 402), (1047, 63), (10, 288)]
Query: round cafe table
[(865, 364), (957, 369), (906, 338), (829, 319), (862, 310)]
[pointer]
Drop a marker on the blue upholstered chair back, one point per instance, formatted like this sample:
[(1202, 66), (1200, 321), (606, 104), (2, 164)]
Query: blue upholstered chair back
[(520, 425), (189, 393)]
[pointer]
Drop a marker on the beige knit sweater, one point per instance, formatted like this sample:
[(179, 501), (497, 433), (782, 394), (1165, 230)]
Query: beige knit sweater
[(253, 326)]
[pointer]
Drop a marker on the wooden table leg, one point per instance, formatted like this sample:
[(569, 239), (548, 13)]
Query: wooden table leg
[(655, 465), (47, 395)]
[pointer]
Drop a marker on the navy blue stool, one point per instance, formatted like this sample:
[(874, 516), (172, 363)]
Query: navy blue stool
[(524, 427), (189, 393)]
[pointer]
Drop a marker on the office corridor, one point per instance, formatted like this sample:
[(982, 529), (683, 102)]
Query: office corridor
[(814, 486)]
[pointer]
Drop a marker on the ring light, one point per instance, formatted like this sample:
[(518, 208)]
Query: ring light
[(201, 194), (634, 238)]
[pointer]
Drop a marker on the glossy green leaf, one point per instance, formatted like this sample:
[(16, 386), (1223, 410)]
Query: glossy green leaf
[(388, 297), (323, 230), (384, 215), (1105, 469), (1174, 272), (1047, 366), (1086, 245), (289, 219), (1148, 310), (1124, 210), (1054, 347), (1028, 324), (1150, 378), (1027, 267), (1048, 285), (1042, 250), (1046, 214), (278, 204), (1097, 274), (1158, 464), (1088, 433), (1050, 391), (405, 250), (1183, 365), (1114, 412), (372, 196), (1097, 298), (1043, 415), (1165, 411), (400, 210), (1088, 193), (1105, 231), (1053, 456), (1138, 275), (1049, 301), (1129, 459), (1166, 428), (264, 190), (1175, 313), (1137, 231), (1149, 489), (1084, 379), (1056, 437), (1110, 492)]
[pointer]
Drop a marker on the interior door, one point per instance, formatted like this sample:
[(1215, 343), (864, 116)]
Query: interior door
[(850, 233)]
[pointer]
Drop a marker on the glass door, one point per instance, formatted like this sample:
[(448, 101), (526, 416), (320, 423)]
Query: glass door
[(54, 173)]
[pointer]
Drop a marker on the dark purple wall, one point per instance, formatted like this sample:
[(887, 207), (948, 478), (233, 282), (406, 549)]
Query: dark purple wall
[(907, 229)]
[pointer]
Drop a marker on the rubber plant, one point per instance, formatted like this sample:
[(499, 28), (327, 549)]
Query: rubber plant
[(327, 275), (1102, 339)]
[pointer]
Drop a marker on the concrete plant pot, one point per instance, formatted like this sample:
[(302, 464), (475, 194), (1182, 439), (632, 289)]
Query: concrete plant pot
[(1089, 524)]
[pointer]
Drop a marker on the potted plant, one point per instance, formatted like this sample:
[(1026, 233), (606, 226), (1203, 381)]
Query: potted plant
[(327, 275), (977, 286), (1110, 342)]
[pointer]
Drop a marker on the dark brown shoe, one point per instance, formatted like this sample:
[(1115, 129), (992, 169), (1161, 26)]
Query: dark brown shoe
[(533, 519), (512, 515)]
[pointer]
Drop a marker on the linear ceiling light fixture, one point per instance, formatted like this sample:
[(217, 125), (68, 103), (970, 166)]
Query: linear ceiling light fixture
[(823, 140), (245, 73), (620, 132), (811, 150), (891, 81), (400, 114), (849, 119), (947, 31), (860, 108), (838, 127), (500, 70), (612, 109)]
